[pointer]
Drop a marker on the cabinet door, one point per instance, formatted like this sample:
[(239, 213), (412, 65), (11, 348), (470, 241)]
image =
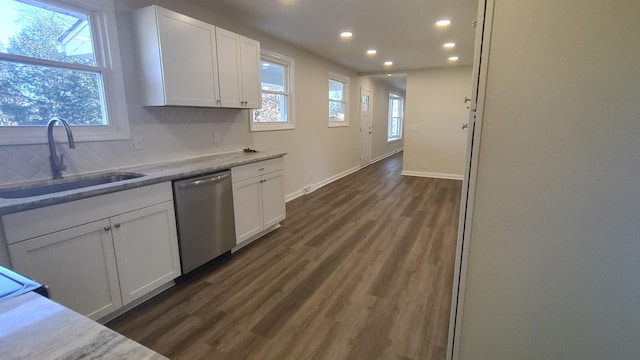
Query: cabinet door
[(250, 62), (247, 207), (78, 265), (229, 68), (273, 206), (188, 52), (146, 246)]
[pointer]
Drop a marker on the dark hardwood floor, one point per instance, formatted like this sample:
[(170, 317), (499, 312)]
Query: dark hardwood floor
[(361, 269)]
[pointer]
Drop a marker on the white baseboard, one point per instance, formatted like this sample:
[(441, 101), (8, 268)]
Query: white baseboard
[(382, 157), (335, 177), (320, 184), (314, 187), (293, 195), (432, 175)]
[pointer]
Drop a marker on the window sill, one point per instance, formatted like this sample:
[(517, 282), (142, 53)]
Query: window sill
[(393, 141), (271, 127), (338, 124)]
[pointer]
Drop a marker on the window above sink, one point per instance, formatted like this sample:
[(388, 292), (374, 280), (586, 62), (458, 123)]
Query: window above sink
[(60, 60)]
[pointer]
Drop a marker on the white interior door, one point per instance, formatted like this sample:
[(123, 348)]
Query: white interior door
[(365, 126)]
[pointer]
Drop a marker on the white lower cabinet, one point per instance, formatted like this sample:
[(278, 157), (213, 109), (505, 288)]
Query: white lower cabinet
[(273, 208), (96, 267), (146, 247), (247, 209), (78, 265), (258, 197)]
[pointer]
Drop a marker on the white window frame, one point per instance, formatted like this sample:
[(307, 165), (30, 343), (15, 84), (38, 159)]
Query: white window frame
[(391, 139), (289, 65), (107, 53), (345, 80)]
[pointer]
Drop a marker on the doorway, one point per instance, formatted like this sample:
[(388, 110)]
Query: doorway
[(366, 128)]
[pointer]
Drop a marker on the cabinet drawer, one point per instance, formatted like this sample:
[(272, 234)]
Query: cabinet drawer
[(248, 171), (45, 220)]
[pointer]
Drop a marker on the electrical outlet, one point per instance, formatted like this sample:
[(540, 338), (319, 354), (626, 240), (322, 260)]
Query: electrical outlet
[(139, 142), (307, 189), (215, 137)]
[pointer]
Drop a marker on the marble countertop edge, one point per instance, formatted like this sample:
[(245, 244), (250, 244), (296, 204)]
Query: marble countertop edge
[(33, 327), (153, 174)]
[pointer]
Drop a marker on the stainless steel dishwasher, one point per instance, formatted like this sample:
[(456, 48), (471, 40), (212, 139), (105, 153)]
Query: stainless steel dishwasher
[(204, 211)]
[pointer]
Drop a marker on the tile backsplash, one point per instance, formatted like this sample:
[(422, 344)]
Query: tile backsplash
[(170, 133)]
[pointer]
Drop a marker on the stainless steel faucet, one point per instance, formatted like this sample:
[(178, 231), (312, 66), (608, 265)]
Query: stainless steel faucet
[(57, 163)]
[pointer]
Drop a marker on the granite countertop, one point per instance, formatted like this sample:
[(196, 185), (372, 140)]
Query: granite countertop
[(34, 327), (153, 173)]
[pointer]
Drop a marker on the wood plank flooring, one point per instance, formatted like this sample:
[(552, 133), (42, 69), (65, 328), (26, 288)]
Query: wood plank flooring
[(361, 269)]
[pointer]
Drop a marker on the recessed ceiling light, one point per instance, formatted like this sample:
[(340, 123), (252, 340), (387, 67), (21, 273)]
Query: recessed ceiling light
[(388, 63), (346, 34), (449, 44), (388, 74), (453, 58), (372, 52), (443, 22)]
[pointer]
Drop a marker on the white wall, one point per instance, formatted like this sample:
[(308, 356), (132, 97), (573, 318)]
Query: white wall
[(315, 152), (434, 143), (380, 117), (554, 269)]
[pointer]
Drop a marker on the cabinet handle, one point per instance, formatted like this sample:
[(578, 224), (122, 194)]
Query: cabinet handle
[(117, 225), (107, 228)]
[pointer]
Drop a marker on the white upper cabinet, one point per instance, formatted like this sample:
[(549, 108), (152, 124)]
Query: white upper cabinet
[(177, 58), (238, 64), (250, 65), (187, 62)]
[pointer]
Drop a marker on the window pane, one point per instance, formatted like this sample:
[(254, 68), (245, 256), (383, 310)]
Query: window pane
[(336, 111), (395, 129), (31, 95), (46, 32), (274, 109), (395, 117), (365, 102), (336, 90), (272, 76)]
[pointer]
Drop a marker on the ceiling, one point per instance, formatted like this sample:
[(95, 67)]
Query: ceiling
[(402, 31)]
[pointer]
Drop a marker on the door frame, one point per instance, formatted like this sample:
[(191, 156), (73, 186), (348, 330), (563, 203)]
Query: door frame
[(369, 136), (479, 81)]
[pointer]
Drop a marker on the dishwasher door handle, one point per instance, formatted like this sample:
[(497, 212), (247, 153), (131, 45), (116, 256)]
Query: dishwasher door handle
[(195, 183)]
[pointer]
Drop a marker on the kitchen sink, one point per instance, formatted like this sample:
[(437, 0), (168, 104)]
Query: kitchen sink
[(55, 186)]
